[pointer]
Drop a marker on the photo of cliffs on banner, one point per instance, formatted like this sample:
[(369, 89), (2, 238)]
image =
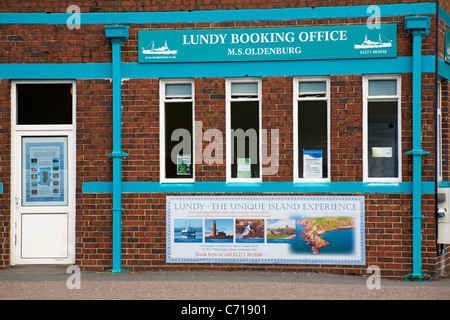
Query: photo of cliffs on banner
[(182, 137)]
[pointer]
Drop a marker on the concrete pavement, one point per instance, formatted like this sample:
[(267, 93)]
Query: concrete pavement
[(54, 282)]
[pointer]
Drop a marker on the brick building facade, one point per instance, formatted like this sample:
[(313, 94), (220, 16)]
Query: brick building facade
[(38, 46)]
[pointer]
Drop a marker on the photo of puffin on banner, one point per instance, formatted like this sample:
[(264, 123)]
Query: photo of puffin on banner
[(250, 230)]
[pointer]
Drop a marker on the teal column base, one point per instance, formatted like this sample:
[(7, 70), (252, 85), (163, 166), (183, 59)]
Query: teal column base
[(418, 278), (117, 271)]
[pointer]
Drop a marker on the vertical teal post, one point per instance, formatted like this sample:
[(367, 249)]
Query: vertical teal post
[(418, 27), (117, 35)]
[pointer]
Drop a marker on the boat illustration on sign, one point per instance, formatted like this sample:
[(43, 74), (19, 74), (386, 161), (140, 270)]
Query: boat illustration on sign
[(368, 44), (164, 50), (188, 232)]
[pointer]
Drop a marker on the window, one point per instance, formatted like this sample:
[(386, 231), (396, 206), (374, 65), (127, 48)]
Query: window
[(311, 129), (243, 130), (382, 140), (44, 103), (177, 131)]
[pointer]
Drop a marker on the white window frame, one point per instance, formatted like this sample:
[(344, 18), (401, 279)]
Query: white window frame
[(229, 100), (296, 99), (162, 142), (439, 132), (391, 98)]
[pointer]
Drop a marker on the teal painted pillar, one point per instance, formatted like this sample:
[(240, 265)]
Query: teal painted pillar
[(418, 27), (117, 35)]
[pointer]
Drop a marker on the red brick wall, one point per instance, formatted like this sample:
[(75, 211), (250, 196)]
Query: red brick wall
[(58, 44), (388, 216), (210, 111), (388, 237), (140, 129), (445, 93), (5, 172), (444, 261), (445, 127), (53, 44)]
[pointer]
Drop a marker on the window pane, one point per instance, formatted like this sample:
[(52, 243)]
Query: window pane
[(382, 87), (383, 139), (312, 87), (178, 90), (312, 139), (178, 153), (244, 89), (44, 103), (245, 139)]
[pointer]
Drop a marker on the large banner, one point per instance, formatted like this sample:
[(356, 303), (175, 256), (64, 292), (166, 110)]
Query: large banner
[(266, 44), (265, 229)]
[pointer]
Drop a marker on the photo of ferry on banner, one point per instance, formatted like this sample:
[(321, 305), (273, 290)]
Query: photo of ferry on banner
[(368, 44), (164, 50), (188, 232)]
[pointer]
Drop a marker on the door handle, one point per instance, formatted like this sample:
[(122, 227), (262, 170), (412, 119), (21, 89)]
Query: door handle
[(17, 201)]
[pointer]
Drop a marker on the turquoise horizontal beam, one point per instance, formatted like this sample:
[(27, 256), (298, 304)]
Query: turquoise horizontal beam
[(134, 70), (444, 16), (444, 184), (264, 187), (55, 71), (219, 15), (276, 68)]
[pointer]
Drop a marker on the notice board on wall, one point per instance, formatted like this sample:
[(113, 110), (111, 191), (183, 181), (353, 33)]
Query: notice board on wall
[(44, 164), (266, 229)]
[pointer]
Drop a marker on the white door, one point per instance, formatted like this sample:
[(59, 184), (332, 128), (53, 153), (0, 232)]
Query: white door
[(42, 183)]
